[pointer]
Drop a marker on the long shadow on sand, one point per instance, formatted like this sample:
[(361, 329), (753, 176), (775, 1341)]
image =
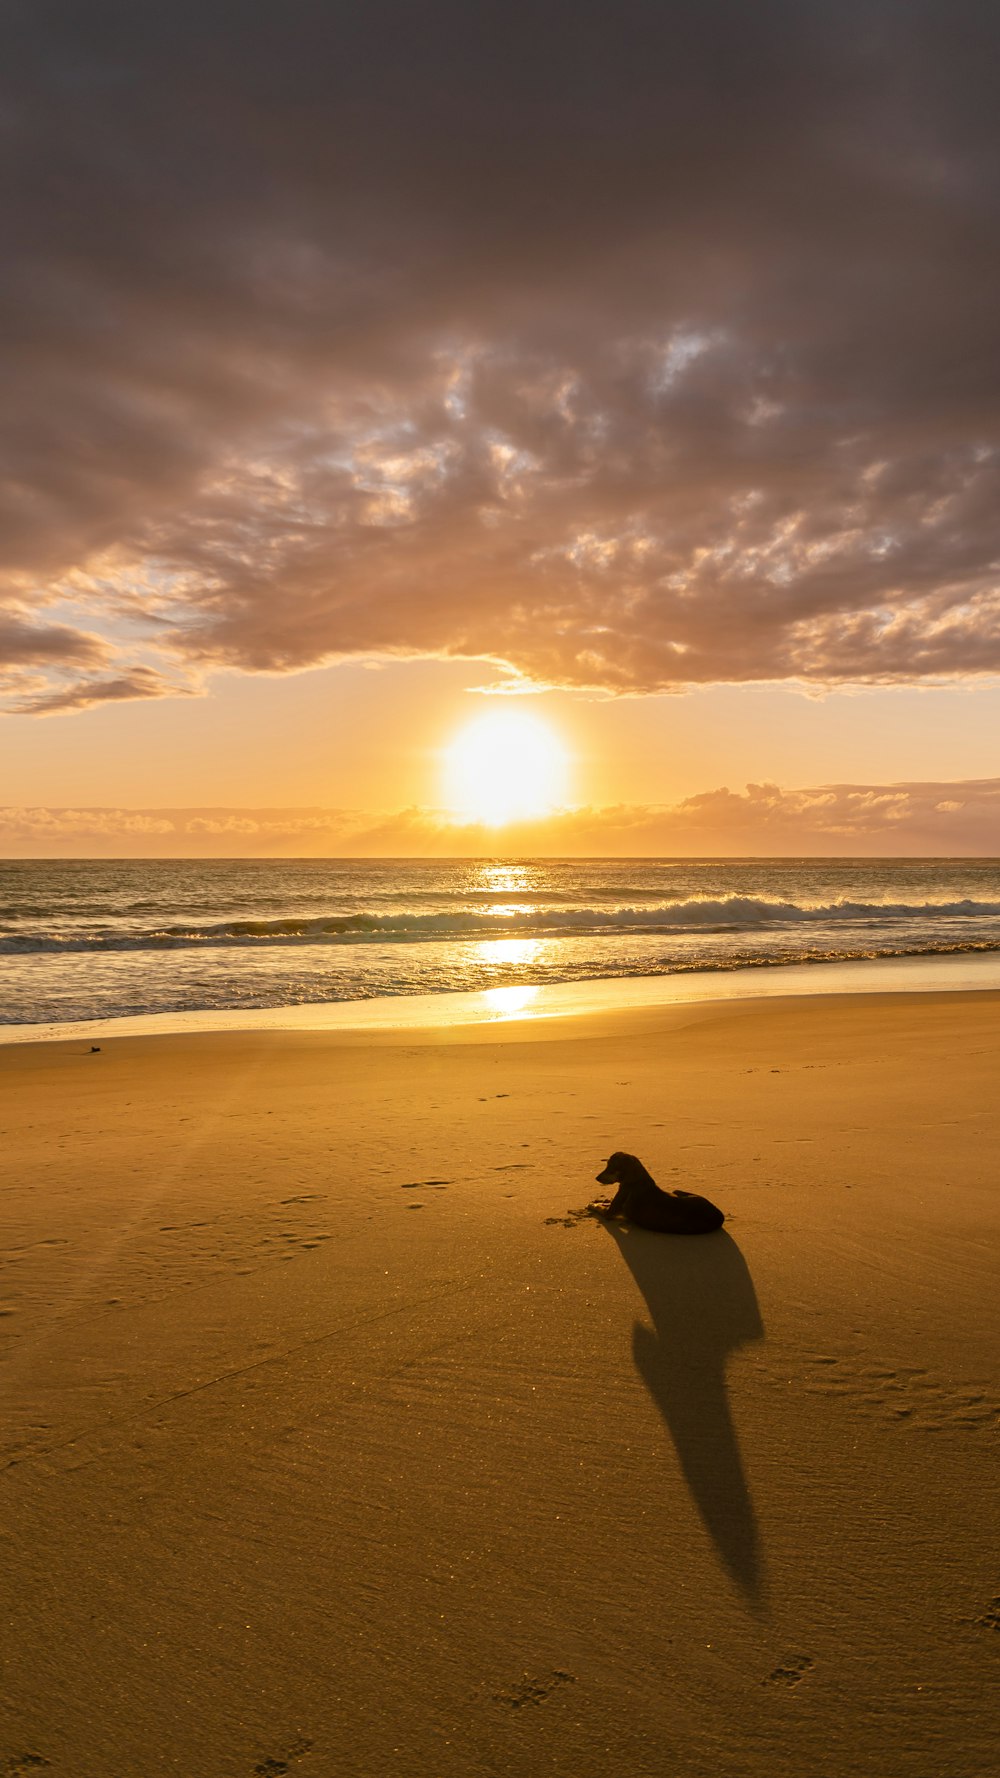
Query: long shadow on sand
[(703, 1307)]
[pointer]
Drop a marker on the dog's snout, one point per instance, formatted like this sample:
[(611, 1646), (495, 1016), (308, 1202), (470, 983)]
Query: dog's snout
[(604, 1177)]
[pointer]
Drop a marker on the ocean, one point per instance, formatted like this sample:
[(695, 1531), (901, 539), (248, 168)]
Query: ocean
[(98, 939)]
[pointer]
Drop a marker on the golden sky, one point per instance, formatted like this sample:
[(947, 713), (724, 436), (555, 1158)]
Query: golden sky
[(366, 366)]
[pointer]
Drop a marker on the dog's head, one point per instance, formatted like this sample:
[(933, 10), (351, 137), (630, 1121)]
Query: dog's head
[(615, 1170)]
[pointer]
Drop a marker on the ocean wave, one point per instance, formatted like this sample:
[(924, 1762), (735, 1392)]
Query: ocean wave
[(730, 914), (136, 990)]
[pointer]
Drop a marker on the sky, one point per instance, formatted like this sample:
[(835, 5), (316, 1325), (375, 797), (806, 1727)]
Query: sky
[(372, 371)]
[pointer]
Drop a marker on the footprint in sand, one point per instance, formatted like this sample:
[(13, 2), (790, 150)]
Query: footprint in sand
[(532, 1690), (792, 1670), (990, 1619), (22, 1764), (902, 1394)]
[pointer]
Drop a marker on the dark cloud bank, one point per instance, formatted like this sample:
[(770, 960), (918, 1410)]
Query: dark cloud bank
[(628, 346)]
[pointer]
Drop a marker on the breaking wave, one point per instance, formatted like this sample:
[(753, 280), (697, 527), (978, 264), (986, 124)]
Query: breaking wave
[(736, 913)]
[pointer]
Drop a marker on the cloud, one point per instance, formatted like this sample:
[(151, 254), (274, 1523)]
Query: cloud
[(927, 819), (762, 820), (139, 682), (628, 348), (25, 644), (56, 829)]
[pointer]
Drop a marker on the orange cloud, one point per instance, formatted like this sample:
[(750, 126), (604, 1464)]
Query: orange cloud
[(935, 819)]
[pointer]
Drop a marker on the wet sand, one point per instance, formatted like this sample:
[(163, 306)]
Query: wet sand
[(336, 1441)]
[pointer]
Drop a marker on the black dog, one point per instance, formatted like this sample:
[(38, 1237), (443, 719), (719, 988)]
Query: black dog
[(640, 1200)]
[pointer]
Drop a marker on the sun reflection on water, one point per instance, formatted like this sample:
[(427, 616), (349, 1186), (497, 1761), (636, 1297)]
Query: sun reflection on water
[(506, 1003), (502, 879), (507, 950), (516, 953)]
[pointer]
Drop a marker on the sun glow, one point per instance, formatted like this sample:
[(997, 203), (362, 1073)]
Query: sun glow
[(505, 767)]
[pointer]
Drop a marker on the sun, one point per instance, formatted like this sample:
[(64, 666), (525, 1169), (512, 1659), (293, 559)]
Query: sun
[(505, 767)]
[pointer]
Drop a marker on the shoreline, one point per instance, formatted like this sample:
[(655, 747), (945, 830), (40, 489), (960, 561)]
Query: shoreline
[(521, 1005)]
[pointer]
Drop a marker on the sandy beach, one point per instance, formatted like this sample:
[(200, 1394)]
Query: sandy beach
[(336, 1442)]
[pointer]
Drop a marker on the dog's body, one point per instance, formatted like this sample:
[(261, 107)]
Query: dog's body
[(640, 1200)]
